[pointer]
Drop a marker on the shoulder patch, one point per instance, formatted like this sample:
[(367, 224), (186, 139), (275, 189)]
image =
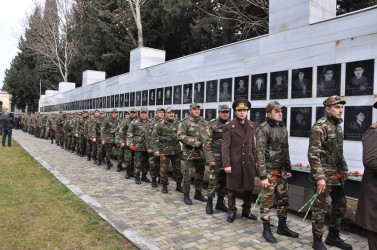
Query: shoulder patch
[(262, 124), (374, 125), (211, 121), (322, 120)]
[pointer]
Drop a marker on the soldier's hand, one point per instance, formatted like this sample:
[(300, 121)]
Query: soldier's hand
[(122, 145), (321, 186), (212, 163), (289, 175), (228, 170), (94, 140), (103, 142), (264, 183), (346, 175), (150, 151), (157, 153), (76, 135), (197, 144)]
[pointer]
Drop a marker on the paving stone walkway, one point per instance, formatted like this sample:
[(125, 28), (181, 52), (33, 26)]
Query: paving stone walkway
[(153, 220)]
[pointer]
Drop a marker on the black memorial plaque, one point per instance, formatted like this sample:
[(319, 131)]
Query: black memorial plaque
[(258, 87), (177, 114), (210, 114), (359, 78), (151, 114), (138, 98), (257, 115), (211, 91), (199, 92), (301, 121), (160, 96), (279, 85), (302, 83), (152, 97), (121, 100), (132, 99), (126, 99), (328, 80), (357, 119), (117, 101), (168, 96), (144, 98), (177, 97), (187, 93), (241, 87), (185, 113), (225, 90)]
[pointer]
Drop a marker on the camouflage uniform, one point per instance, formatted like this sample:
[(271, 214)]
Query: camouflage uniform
[(80, 130), (96, 133), (121, 137), (50, 125), (154, 162), (191, 131), (68, 128), (60, 131), (166, 142), (108, 129), (87, 125)]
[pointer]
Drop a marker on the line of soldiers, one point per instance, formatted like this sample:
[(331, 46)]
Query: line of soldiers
[(233, 149)]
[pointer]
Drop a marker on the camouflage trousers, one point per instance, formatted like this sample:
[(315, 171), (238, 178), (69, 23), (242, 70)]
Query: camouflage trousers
[(36, 131), (109, 149), (100, 149), (279, 187), (124, 154), (190, 165), (42, 131), (68, 139), (61, 137), (175, 161), (74, 141), (95, 148), (141, 163), (51, 134), (128, 157), (89, 147), (120, 154), (217, 181), (339, 205), (154, 165), (82, 144)]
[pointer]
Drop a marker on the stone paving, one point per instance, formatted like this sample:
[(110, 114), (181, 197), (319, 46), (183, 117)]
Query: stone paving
[(163, 220)]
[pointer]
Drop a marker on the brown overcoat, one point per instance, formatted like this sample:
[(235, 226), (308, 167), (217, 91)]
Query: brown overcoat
[(238, 151), (366, 215)]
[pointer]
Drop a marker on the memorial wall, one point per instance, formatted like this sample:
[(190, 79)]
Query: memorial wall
[(309, 54)]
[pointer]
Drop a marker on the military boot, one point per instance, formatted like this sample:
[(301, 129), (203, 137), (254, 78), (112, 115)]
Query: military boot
[(154, 183), (72, 150), (284, 230), (145, 178), (78, 152), (164, 188), (179, 187), (231, 217), (99, 162), (186, 199), (88, 158), (108, 165), (333, 239), (209, 207), (119, 167), (128, 172), (137, 180), (198, 196), (132, 172), (95, 160), (317, 243), (220, 204), (247, 214), (57, 143), (52, 142), (267, 234)]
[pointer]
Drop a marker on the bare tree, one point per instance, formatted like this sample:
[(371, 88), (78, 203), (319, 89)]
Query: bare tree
[(53, 35), (135, 6)]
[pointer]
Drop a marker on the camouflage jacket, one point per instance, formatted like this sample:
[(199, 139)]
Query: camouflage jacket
[(108, 129), (43, 120), (213, 140), (60, 122), (80, 126), (165, 139), (136, 134), (50, 123), (149, 131), (68, 128), (272, 149), (121, 133), (87, 125), (95, 129), (74, 123), (190, 131), (325, 151)]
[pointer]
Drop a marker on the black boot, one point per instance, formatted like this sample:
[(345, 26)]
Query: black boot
[(231, 217), (95, 160), (333, 239), (179, 187), (108, 165), (137, 180), (132, 172), (317, 243), (52, 142), (57, 143), (220, 204), (88, 158), (284, 230), (164, 188), (128, 170), (246, 213), (99, 162), (209, 207), (72, 150), (198, 196), (186, 199), (78, 152), (145, 178), (154, 184), (267, 234), (119, 167)]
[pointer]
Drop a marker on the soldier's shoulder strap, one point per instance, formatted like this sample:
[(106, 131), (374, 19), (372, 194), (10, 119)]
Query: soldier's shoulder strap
[(212, 121), (263, 124), (374, 125), (322, 120)]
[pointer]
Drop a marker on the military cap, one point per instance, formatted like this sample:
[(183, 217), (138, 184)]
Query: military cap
[(159, 109), (194, 105), (144, 109), (375, 105), (79, 113), (224, 108), (133, 110), (169, 109), (127, 112), (334, 99), (103, 111), (114, 111), (60, 112), (97, 110), (85, 112), (241, 104), (274, 105), (91, 113), (64, 113)]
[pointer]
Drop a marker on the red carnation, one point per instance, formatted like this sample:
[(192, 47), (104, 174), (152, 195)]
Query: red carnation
[(334, 176), (300, 164), (164, 157), (338, 175), (357, 172), (105, 141), (275, 178), (276, 172), (133, 148), (308, 165)]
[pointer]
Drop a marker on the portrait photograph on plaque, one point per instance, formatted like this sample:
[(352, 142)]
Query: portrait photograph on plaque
[(199, 92), (210, 114), (211, 91), (177, 114), (132, 99), (168, 96), (104, 102), (98, 99), (100, 102), (241, 87), (120, 114), (108, 103), (187, 93), (225, 90), (177, 97), (279, 85), (258, 90), (257, 115), (138, 98), (144, 98), (359, 78), (116, 101), (90, 103), (160, 96), (152, 97), (185, 113), (319, 113), (302, 83), (357, 119), (301, 121), (328, 80), (112, 101), (121, 100), (124, 114), (151, 114), (126, 99)]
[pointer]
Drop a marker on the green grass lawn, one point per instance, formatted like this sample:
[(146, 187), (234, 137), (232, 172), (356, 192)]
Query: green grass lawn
[(38, 212)]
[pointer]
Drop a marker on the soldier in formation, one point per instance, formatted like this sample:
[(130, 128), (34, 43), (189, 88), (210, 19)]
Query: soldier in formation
[(108, 129)]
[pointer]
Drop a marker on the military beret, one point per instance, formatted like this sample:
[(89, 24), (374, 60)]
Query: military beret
[(194, 105), (274, 105), (144, 109), (334, 99), (169, 109), (133, 110), (114, 111), (241, 104), (224, 108), (159, 109)]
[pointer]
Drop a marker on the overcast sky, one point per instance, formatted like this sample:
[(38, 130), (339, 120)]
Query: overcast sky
[(12, 15)]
